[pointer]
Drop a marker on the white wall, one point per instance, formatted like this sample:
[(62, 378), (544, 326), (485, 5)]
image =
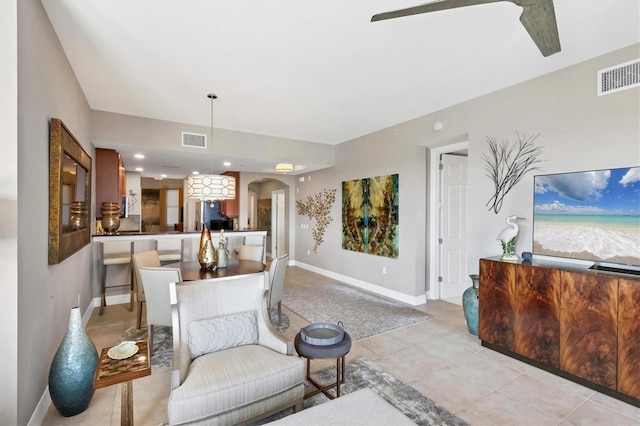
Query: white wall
[(9, 205)]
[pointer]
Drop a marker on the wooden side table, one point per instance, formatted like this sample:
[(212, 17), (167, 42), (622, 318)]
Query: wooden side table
[(124, 371)]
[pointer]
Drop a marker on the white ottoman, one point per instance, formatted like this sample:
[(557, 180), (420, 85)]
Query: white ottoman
[(362, 407)]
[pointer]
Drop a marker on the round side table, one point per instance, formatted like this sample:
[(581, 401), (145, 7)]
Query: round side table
[(337, 351)]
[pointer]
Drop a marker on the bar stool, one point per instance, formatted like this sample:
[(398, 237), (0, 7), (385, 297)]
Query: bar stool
[(170, 249), (116, 253)]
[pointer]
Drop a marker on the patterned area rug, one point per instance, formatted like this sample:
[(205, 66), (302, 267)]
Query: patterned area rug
[(363, 373), (363, 314), (163, 341)]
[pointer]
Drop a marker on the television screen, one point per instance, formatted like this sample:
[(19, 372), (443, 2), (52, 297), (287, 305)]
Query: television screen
[(590, 215)]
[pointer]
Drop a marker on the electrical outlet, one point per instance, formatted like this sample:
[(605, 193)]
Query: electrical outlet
[(308, 252), (384, 270)]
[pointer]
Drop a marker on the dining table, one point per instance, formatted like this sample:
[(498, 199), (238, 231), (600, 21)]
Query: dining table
[(191, 270)]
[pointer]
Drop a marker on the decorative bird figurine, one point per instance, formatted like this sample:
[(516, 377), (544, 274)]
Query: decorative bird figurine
[(508, 237)]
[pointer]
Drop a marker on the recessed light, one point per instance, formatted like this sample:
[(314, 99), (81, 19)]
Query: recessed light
[(163, 176), (139, 169), (140, 156), (195, 172), (226, 164)]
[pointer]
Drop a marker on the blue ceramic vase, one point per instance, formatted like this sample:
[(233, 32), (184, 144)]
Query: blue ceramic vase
[(470, 302), (72, 369)]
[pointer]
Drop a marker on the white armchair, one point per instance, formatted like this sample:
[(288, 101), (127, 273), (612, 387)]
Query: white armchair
[(229, 365)]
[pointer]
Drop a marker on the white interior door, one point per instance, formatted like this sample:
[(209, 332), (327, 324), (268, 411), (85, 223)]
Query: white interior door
[(453, 249)]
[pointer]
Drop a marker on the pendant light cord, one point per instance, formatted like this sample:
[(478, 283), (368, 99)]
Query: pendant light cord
[(212, 97)]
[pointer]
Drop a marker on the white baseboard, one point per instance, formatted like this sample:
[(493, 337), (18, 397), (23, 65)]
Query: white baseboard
[(116, 299), (37, 417), (373, 288)]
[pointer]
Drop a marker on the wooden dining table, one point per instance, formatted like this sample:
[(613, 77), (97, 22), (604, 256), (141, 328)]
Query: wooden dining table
[(192, 271)]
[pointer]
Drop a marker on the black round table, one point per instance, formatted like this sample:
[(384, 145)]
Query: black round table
[(337, 351)]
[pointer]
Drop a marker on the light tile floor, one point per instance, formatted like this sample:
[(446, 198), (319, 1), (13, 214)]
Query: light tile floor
[(438, 357)]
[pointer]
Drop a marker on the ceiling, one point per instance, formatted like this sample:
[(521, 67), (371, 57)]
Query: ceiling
[(316, 71)]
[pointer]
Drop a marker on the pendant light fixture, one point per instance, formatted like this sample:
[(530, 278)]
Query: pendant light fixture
[(211, 187), (284, 167)]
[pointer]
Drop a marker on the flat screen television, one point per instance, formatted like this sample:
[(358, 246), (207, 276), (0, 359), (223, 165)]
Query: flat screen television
[(589, 215)]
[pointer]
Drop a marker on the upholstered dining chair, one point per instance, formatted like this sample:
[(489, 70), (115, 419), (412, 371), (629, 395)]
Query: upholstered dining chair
[(277, 272), (229, 365), (247, 252), (156, 283), (143, 259)]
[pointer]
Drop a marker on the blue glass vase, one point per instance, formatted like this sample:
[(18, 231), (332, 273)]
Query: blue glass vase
[(470, 302), (72, 369)]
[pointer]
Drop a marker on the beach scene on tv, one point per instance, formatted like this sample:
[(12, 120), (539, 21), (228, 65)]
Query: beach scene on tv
[(590, 215)]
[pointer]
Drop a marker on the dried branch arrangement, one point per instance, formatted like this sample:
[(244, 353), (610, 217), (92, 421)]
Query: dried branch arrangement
[(318, 207), (507, 163)]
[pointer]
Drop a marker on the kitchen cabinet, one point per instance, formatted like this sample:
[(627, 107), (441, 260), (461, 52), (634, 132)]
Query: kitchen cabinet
[(577, 323), (110, 178)]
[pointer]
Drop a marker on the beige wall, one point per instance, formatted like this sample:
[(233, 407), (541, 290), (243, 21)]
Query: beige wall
[(579, 131), (120, 129)]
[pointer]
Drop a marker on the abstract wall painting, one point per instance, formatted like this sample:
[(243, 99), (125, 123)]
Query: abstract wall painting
[(370, 215)]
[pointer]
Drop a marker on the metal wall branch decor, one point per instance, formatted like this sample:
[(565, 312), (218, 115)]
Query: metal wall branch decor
[(507, 163), (370, 215), (318, 207)]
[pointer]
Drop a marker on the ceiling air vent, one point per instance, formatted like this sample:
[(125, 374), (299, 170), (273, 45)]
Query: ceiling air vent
[(619, 77), (194, 140)]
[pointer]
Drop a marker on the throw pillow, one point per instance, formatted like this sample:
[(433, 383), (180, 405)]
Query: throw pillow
[(222, 332)]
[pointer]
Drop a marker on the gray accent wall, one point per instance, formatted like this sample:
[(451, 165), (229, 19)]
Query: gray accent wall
[(47, 87), (579, 131)]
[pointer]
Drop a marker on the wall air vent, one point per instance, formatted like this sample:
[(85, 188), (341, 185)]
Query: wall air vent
[(194, 140), (619, 77)]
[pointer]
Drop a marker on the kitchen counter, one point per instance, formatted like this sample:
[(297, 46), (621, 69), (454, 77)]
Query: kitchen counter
[(173, 234), (145, 241)]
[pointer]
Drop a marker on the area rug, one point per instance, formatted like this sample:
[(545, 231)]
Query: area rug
[(363, 314), (363, 373), (163, 340)]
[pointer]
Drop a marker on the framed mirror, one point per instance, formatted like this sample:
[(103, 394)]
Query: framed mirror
[(69, 194)]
